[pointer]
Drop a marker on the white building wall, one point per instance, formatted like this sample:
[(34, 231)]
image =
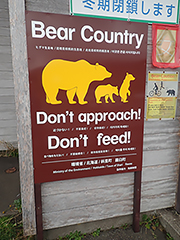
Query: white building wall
[(7, 101)]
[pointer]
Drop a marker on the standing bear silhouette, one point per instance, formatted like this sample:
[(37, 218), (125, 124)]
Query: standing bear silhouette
[(74, 77), (124, 89)]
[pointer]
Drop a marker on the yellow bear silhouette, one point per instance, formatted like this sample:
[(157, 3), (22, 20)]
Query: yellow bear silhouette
[(107, 91), (124, 89), (74, 77)]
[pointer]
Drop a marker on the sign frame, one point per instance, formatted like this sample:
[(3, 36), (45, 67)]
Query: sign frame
[(137, 173), (79, 139), (87, 12)]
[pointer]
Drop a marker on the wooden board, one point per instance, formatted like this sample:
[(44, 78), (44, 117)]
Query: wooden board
[(21, 88)]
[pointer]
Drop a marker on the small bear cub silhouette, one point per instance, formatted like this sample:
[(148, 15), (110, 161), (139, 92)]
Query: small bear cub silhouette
[(124, 89), (106, 91)]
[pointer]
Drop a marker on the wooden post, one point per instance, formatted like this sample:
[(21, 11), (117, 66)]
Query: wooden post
[(22, 101), (137, 201), (38, 207), (178, 194)]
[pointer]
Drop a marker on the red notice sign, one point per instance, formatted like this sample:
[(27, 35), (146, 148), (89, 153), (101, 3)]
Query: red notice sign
[(87, 89)]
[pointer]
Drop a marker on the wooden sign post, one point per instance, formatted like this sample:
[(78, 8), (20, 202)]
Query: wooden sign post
[(38, 206), (178, 194), (137, 201)]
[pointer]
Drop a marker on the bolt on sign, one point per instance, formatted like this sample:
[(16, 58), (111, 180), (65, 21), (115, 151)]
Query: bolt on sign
[(166, 11), (87, 90), (162, 95)]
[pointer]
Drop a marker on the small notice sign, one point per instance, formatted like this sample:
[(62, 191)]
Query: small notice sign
[(87, 92), (166, 11), (162, 95)]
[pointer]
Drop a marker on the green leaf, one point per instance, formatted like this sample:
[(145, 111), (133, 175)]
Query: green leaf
[(157, 224), (147, 226), (144, 217)]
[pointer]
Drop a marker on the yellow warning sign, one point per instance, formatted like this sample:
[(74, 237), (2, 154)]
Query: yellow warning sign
[(162, 95), (161, 108)]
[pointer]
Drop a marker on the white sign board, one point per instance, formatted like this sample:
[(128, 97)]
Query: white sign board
[(164, 11)]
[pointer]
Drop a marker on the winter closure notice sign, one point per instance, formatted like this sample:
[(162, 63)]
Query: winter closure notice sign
[(87, 89)]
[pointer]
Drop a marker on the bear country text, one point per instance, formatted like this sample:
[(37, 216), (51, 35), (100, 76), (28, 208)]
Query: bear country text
[(88, 34)]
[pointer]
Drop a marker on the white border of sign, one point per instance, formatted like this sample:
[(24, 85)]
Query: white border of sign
[(132, 10)]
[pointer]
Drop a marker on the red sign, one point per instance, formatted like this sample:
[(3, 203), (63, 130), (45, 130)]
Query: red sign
[(87, 89), (166, 45)]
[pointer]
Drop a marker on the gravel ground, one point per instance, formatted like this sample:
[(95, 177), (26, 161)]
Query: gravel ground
[(128, 234)]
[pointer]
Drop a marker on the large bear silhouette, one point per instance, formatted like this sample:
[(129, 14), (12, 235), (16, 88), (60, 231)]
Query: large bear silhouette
[(74, 77), (106, 91)]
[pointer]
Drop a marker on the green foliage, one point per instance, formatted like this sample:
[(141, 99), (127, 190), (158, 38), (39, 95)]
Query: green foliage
[(96, 233), (73, 236), (7, 231), (10, 151), (11, 227), (125, 226), (168, 237), (17, 205), (150, 222), (78, 235)]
